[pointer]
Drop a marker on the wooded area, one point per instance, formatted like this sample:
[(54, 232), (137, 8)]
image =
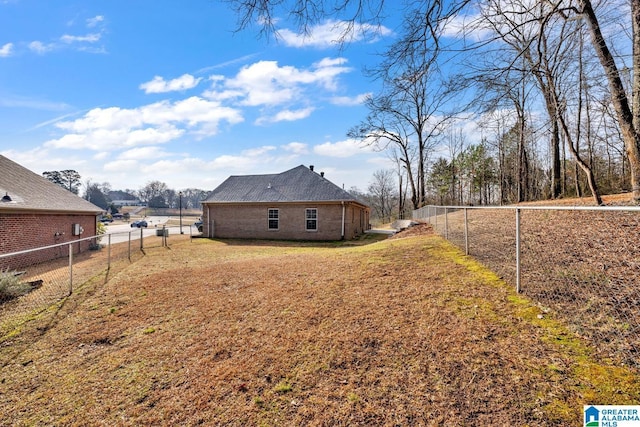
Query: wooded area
[(554, 87)]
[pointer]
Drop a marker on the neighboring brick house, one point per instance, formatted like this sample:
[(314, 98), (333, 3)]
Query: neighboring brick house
[(34, 212), (298, 204)]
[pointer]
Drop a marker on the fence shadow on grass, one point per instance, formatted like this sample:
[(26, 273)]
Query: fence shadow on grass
[(33, 295), (580, 264)]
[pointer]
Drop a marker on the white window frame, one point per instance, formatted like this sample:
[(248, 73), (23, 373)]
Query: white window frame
[(307, 218), (275, 218)]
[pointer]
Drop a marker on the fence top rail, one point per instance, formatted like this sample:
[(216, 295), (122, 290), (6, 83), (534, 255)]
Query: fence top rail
[(39, 248), (549, 207)]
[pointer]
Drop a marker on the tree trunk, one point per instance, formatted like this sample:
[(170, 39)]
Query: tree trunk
[(401, 196), (556, 183), (587, 170), (628, 120)]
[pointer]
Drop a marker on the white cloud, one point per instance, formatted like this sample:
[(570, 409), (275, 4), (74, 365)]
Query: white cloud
[(105, 139), (42, 159), (196, 110), (296, 147), (267, 84), (461, 26), (85, 43), (89, 38), (129, 165), (81, 43), (346, 148), (258, 151), (135, 139), (103, 118), (237, 163), (331, 33), (158, 123), (6, 50), (40, 48), (92, 22), (151, 152), (160, 85), (286, 116), (348, 101), (327, 70)]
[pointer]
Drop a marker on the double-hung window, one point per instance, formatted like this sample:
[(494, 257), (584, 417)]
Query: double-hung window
[(274, 219), (311, 216)]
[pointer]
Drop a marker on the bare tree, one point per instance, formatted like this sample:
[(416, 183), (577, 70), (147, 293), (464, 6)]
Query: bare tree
[(409, 113), (382, 194), (402, 175)]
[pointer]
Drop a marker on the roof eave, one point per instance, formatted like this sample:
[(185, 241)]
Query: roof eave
[(255, 202), (15, 209)]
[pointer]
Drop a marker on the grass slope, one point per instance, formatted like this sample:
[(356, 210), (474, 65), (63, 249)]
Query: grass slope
[(400, 332)]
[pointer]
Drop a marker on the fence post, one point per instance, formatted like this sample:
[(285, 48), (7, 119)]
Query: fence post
[(446, 223), (141, 237), (70, 268), (517, 250), (129, 246), (109, 253), (165, 241), (435, 225), (466, 233)]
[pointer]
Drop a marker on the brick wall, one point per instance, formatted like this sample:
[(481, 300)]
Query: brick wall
[(19, 232), (250, 221)]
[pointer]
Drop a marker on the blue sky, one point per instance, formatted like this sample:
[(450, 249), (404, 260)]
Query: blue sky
[(131, 92)]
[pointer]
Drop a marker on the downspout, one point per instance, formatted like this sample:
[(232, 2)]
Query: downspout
[(209, 231), (342, 231)]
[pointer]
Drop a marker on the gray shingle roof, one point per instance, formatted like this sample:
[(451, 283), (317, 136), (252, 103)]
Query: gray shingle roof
[(299, 184), (30, 191)]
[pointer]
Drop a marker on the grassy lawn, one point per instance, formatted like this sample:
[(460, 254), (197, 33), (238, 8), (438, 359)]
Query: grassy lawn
[(404, 331)]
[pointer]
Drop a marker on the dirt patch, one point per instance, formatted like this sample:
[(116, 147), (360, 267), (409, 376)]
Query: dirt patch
[(421, 229), (406, 331)]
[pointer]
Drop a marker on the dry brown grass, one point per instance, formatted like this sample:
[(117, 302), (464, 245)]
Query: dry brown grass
[(406, 331), (583, 266)]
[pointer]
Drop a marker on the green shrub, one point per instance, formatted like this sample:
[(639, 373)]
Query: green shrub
[(10, 286)]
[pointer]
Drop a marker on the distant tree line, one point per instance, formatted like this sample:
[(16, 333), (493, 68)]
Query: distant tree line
[(154, 194)]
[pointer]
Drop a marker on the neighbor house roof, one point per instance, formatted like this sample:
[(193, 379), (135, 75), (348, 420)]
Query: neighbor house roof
[(29, 191), (300, 184)]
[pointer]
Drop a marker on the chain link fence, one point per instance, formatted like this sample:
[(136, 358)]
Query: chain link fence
[(32, 293), (581, 264)]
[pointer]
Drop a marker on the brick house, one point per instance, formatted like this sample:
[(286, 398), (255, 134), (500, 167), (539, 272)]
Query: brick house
[(298, 204), (34, 212)]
